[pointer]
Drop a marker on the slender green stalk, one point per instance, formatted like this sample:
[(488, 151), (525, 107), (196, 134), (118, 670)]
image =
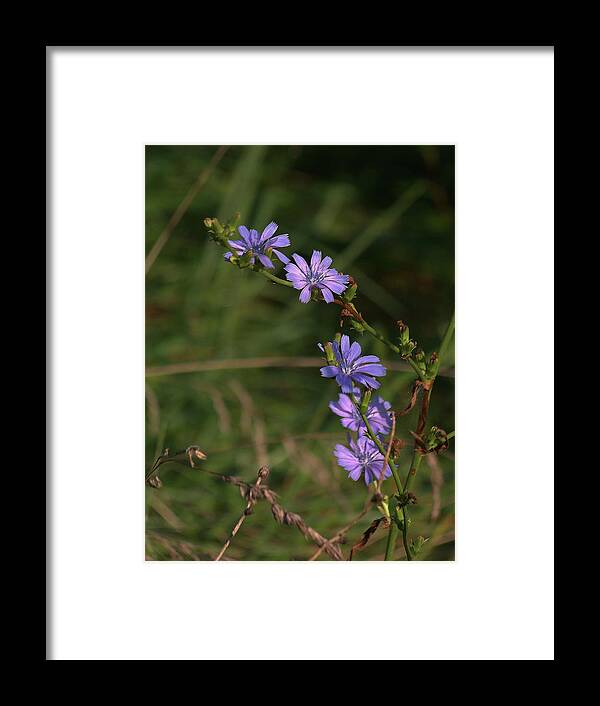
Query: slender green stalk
[(393, 531), (379, 445), (405, 534), (369, 329), (378, 336), (273, 278), (391, 541), (412, 471)]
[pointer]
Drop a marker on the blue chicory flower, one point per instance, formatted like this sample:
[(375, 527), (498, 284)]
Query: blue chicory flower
[(363, 457), (352, 368), (377, 413), (315, 276), (258, 246)]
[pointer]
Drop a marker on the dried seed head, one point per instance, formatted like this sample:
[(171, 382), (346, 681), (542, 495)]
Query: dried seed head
[(263, 472)]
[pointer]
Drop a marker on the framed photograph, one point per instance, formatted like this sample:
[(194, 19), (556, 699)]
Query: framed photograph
[(294, 296)]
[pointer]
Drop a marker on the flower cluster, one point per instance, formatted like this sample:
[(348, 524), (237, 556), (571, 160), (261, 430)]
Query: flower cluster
[(310, 278), (318, 279), (362, 455)]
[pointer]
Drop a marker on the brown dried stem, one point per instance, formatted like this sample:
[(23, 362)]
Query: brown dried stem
[(340, 535), (252, 496), (283, 516)]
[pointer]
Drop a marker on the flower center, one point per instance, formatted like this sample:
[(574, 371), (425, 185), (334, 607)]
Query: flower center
[(366, 458), (346, 368)]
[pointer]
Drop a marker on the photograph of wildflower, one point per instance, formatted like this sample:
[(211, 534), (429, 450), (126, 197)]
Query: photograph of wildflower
[(299, 353)]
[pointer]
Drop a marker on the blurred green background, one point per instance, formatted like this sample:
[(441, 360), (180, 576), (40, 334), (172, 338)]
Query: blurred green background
[(385, 214)]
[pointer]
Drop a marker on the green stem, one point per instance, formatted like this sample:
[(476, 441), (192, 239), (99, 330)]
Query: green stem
[(273, 278), (391, 346), (391, 541), (412, 471), (405, 534), (378, 336), (379, 445), (415, 367), (393, 531)]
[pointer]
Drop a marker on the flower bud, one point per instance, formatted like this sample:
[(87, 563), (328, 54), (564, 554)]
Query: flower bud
[(217, 227), (382, 504), (417, 544), (433, 365), (404, 333), (407, 348), (436, 438), (328, 350), (350, 293), (216, 231), (245, 260)]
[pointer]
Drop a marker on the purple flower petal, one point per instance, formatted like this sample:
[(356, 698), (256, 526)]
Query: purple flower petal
[(245, 233), (355, 474), (301, 263), (237, 245), (279, 241), (305, 294), (265, 261), (268, 232), (373, 369), (327, 295), (315, 260), (329, 371), (335, 286), (345, 382), (354, 353), (366, 380), (295, 276), (368, 359), (336, 350)]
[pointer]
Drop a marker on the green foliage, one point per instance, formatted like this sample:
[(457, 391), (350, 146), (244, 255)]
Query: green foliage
[(385, 216)]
